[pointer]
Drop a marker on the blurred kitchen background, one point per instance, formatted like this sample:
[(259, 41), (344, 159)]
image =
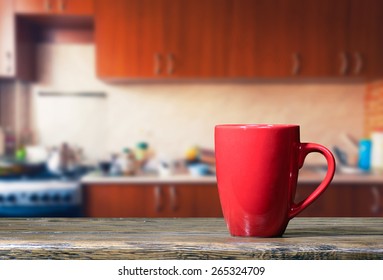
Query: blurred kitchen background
[(108, 108)]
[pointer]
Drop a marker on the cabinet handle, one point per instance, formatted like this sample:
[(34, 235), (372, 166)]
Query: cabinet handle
[(157, 64), (47, 5), (343, 64), (376, 207), (296, 64), (358, 63), (158, 198), (62, 5), (170, 63), (173, 198)]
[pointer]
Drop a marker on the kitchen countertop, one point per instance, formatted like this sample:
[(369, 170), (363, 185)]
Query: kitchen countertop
[(305, 177), (191, 238)]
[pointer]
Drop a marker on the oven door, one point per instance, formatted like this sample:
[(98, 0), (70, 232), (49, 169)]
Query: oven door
[(41, 211), (52, 198)]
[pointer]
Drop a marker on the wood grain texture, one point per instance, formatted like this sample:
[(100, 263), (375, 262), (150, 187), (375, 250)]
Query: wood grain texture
[(151, 200), (305, 238), (61, 7), (7, 40)]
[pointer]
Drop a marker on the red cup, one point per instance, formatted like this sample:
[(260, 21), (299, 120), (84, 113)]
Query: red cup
[(257, 172)]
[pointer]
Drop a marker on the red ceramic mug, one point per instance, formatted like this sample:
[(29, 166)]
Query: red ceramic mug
[(257, 173)]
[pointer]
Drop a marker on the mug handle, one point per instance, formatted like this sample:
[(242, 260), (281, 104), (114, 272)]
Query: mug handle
[(304, 150)]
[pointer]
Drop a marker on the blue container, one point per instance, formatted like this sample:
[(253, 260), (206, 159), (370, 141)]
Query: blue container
[(364, 154)]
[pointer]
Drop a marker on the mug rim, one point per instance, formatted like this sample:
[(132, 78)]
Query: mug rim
[(257, 126)]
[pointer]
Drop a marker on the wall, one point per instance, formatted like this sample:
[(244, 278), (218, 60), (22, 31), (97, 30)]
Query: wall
[(373, 108), (172, 116)]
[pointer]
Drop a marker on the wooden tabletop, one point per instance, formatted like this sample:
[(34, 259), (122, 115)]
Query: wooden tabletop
[(83, 238), (305, 177)]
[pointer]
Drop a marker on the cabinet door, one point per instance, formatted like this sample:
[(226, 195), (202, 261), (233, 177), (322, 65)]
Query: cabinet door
[(323, 38), (368, 201), (336, 201), (366, 38), (257, 39), (75, 7), (34, 6), (206, 199), (171, 200), (152, 59), (115, 200), (194, 200), (129, 39), (7, 39), (195, 38), (117, 44), (68, 7)]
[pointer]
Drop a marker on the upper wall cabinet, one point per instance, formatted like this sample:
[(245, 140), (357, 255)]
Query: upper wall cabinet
[(305, 38), (263, 38), (16, 48), (163, 38), (64, 7), (238, 38), (321, 37), (366, 38), (7, 44)]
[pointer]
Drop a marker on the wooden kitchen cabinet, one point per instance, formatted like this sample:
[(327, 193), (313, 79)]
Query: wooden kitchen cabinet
[(323, 38), (344, 200), (128, 38), (338, 38), (56, 7), (7, 40), (195, 38), (161, 39), (365, 38), (16, 48), (151, 200), (263, 39), (238, 38)]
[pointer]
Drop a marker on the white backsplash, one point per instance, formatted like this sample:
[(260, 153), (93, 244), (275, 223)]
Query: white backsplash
[(173, 116)]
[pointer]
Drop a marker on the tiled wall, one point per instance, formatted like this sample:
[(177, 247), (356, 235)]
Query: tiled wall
[(373, 107), (172, 116)]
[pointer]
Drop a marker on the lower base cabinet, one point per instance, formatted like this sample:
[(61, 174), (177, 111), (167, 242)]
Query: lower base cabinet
[(202, 200), (343, 200), (147, 200)]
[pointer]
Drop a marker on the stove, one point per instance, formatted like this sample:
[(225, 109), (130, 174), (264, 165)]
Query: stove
[(41, 195)]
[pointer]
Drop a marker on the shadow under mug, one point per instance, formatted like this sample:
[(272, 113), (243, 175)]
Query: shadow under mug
[(257, 173)]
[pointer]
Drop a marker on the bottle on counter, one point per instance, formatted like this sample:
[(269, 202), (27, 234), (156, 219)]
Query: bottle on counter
[(115, 166), (142, 154), (364, 154)]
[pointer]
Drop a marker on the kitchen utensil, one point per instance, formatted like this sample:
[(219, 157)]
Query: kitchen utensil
[(341, 156), (257, 172)]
